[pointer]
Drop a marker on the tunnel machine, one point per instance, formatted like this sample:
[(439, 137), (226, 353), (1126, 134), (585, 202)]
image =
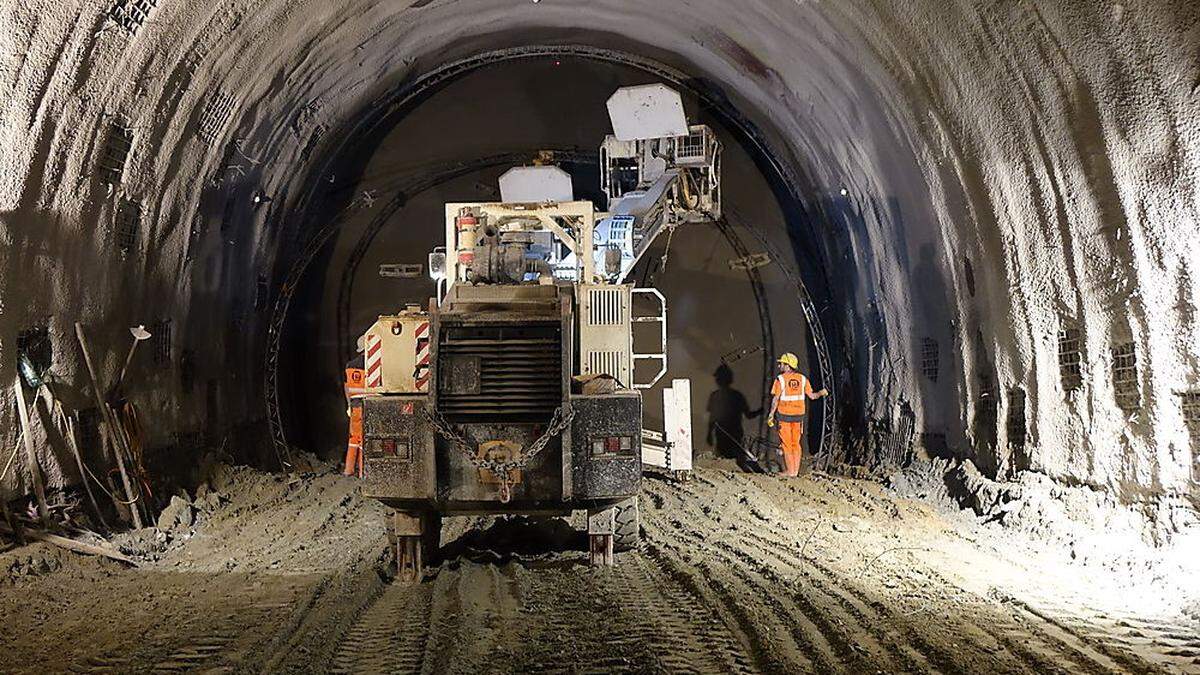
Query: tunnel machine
[(514, 390)]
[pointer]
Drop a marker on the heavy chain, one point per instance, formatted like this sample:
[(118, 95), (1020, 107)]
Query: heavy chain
[(500, 469)]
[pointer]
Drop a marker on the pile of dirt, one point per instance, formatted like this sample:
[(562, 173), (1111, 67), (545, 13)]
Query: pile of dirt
[(1148, 545), (228, 574), (175, 525), (309, 521), (316, 520)]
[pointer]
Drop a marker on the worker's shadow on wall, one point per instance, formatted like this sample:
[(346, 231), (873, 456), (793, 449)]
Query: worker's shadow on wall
[(727, 408), (520, 539)]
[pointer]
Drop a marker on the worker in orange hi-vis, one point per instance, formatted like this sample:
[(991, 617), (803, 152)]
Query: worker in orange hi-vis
[(356, 388), (790, 391)]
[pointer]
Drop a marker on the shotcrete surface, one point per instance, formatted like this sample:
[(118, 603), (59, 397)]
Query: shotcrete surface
[(980, 175)]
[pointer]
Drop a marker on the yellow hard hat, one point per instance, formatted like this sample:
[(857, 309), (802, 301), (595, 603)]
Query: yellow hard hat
[(789, 359)]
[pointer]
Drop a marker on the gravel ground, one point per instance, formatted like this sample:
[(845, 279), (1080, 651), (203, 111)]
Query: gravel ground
[(737, 573)]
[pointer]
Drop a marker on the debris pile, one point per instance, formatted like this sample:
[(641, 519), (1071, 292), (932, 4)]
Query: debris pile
[(1151, 543), (177, 515)]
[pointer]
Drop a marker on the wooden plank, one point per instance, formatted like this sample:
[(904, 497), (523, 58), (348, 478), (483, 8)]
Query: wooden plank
[(121, 507), (39, 490), (119, 450), (79, 546)]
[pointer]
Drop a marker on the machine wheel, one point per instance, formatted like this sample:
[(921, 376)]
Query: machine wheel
[(628, 535)]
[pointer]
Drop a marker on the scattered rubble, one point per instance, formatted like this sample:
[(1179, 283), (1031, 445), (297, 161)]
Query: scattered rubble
[(30, 564), (178, 514), (1148, 545)]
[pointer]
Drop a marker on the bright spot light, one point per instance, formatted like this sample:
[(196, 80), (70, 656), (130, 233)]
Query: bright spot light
[(844, 192)]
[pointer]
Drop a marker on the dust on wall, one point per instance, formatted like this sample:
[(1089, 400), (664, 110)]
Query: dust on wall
[(1014, 183)]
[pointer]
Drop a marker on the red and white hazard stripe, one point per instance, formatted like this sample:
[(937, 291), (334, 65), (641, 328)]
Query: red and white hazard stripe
[(374, 361), (421, 372)]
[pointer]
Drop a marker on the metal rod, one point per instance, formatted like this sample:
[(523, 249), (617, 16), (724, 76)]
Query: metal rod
[(128, 360)]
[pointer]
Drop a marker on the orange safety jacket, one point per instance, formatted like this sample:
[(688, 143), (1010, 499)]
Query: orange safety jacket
[(355, 382), (792, 389)]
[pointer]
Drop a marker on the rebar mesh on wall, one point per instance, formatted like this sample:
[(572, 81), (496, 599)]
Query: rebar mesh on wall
[(1125, 377), (892, 438), (1070, 358)]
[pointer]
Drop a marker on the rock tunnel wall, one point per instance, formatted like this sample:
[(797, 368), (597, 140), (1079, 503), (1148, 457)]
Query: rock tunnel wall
[(998, 221)]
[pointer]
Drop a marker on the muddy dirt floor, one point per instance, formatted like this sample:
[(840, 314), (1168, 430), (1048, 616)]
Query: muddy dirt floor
[(737, 573)]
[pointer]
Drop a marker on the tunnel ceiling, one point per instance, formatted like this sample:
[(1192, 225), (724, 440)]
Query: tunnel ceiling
[(996, 214)]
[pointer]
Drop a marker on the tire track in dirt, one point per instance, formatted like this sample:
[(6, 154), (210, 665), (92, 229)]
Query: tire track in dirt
[(967, 626), (390, 636), (215, 640), (1174, 643), (445, 625), (746, 620), (1043, 639), (811, 619), (812, 647), (895, 634), (828, 637), (1030, 643), (483, 617), (632, 618), (1169, 642), (1036, 640), (694, 639), (869, 612), (850, 624), (873, 609), (1082, 648)]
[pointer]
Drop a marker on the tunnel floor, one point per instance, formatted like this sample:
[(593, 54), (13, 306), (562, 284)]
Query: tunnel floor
[(737, 573)]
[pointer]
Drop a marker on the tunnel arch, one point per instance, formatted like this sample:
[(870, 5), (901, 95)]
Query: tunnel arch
[(987, 177), (411, 95)]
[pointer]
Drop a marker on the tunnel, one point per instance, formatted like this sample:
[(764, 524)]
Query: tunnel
[(973, 222)]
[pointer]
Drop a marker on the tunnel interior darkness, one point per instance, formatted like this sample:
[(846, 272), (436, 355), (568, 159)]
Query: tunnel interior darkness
[(511, 110), (993, 233)]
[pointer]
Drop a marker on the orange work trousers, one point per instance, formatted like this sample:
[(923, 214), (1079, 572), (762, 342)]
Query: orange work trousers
[(790, 435), (354, 460), (354, 445)]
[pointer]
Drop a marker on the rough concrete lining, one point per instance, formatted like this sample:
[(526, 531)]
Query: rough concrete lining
[(981, 174)]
